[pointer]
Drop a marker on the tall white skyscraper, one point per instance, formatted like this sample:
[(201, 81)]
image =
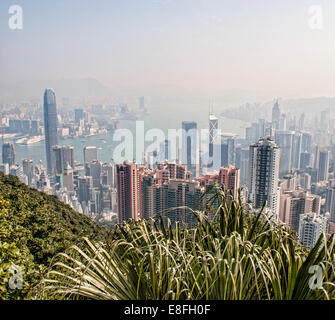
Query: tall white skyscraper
[(213, 132), (264, 158)]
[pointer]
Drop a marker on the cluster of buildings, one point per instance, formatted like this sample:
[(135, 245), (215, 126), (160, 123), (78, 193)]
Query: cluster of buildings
[(278, 163), (168, 190)]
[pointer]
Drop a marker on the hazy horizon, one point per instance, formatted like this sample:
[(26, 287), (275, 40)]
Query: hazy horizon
[(266, 48)]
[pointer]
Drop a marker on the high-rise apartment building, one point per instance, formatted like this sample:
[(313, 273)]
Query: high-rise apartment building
[(330, 199), (229, 177), (50, 127), (295, 203), (264, 158), (129, 191), (170, 199), (311, 226)]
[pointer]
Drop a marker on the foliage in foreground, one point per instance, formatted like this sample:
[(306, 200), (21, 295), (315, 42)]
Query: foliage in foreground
[(34, 227), (237, 255)]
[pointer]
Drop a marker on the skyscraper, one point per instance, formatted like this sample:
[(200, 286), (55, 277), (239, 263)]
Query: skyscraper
[(164, 151), (141, 103), (324, 156), (50, 127), (296, 150), (284, 139), (94, 170), (264, 158), (90, 154), (330, 199), (276, 115), (305, 160), (17, 171), (213, 132), (57, 159), (8, 154), (311, 226), (190, 147), (128, 191), (230, 178), (28, 169), (68, 156), (108, 175), (227, 150), (68, 178), (295, 203), (242, 162), (79, 114), (306, 142), (63, 156), (84, 185)]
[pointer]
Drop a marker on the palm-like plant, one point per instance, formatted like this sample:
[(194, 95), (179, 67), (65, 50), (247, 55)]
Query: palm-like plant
[(232, 253)]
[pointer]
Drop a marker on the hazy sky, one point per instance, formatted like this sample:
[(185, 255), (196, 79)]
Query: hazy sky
[(198, 44)]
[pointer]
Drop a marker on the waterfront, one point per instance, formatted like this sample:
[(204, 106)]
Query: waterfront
[(105, 142)]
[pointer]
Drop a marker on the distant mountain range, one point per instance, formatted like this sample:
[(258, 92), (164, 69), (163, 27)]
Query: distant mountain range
[(91, 91)]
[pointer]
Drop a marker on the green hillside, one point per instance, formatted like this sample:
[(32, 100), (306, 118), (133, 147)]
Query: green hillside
[(33, 228)]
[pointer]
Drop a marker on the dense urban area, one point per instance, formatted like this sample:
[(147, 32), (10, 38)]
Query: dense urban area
[(284, 162)]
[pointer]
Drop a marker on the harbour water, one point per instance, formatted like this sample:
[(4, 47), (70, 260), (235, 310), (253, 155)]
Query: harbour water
[(105, 142)]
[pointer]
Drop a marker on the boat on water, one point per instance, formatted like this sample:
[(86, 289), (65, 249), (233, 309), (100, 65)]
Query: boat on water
[(28, 141), (21, 140)]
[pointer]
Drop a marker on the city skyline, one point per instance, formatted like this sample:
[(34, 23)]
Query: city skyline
[(167, 150)]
